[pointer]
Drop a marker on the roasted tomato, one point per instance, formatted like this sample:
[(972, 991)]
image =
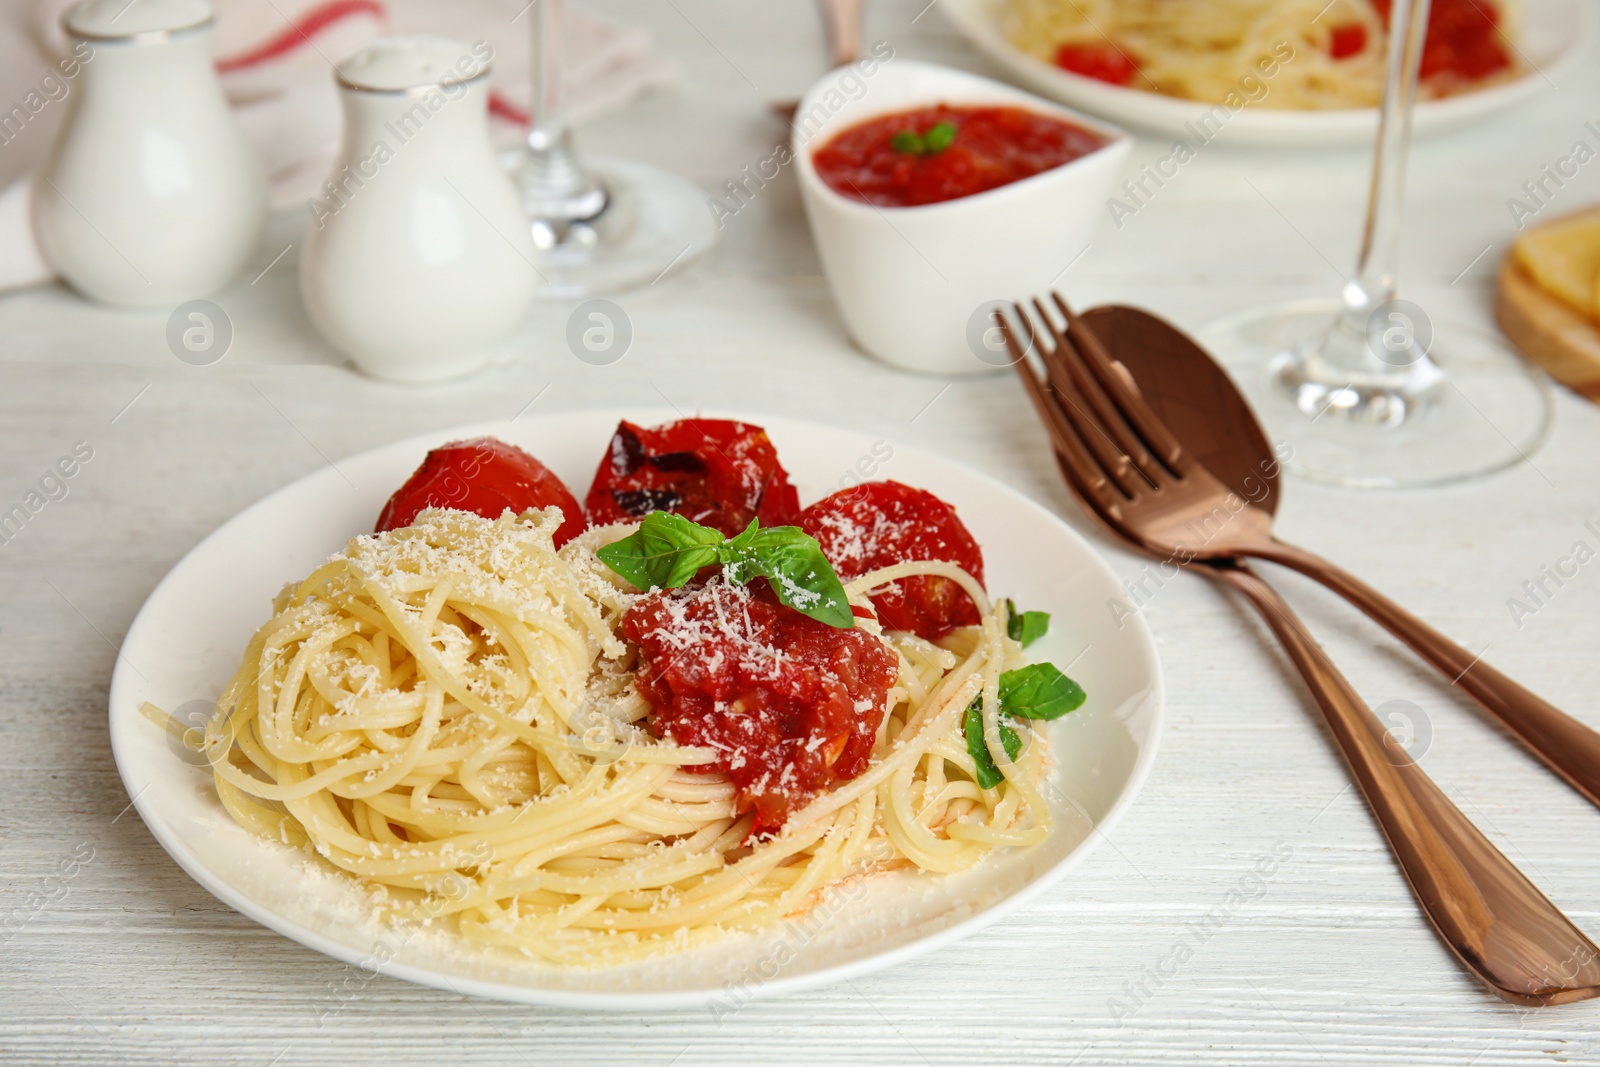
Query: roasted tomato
[(792, 706), (486, 477), (712, 471), (877, 524)]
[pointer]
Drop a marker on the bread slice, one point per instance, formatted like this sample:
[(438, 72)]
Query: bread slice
[(1548, 331), (1563, 257)]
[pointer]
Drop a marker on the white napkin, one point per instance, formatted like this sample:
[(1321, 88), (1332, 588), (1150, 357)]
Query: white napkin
[(274, 59)]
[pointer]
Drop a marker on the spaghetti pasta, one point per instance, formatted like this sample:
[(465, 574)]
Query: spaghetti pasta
[(1208, 51), (447, 711)]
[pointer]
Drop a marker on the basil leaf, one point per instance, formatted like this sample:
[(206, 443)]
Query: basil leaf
[(1039, 691), (793, 564), (738, 556), (742, 542), (668, 550), (908, 141), (988, 774), (940, 137), (664, 553), (1025, 627)]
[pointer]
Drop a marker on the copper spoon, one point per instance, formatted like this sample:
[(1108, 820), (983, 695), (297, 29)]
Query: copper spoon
[(1205, 412), (1124, 465), (841, 22)]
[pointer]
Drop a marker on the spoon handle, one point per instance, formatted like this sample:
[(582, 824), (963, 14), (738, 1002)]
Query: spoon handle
[(1566, 745), (1496, 921)]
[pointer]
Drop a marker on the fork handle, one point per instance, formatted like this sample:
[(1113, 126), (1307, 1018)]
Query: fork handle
[(842, 21), (1496, 921), (1566, 745)]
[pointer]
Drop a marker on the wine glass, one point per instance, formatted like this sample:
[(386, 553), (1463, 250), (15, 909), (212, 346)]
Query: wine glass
[(605, 225), (1367, 390)]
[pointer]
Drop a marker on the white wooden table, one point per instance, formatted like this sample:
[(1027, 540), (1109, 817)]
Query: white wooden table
[(128, 961)]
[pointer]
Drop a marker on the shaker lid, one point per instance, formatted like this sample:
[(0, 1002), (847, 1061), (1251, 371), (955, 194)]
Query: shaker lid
[(136, 20), (410, 64)]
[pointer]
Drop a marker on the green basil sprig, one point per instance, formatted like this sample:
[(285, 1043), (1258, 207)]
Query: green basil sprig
[(1025, 627), (1037, 691), (939, 137), (668, 550)]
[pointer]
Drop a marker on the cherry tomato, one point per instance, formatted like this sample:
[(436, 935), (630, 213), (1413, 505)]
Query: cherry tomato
[(792, 706), (877, 524), (1100, 60), (715, 472), (486, 477)]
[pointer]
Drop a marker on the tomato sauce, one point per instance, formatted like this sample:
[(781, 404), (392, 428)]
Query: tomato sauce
[(991, 147), (792, 706), (1347, 40)]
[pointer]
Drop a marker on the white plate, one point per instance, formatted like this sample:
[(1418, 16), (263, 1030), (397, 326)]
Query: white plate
[(1554, 37), (187, 640)]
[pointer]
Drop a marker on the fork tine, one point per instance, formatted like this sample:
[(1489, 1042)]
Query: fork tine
[(1074, 460), (1068, 397), (1065, 364), (1098, 362)]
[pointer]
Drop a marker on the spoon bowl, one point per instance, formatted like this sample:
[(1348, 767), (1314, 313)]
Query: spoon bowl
[(1195, 397)]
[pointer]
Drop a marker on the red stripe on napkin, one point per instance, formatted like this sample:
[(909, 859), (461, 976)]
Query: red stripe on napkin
[(501, 108), (313, 21)]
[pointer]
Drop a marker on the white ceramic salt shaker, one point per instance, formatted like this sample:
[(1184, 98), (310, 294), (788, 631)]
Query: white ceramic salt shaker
[(150, 196), (418, 262)]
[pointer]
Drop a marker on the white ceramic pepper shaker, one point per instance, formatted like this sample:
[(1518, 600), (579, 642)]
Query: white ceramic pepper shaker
[(150, 196), (418, 262)]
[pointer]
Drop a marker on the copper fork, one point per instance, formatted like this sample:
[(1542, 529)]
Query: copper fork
[(841, 22), (1129, 470)]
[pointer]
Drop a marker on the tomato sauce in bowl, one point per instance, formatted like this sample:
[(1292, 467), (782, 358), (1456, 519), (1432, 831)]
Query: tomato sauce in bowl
[(933, 154)]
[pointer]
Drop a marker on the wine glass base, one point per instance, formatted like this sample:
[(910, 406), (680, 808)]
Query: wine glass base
[(654, 222), (1488, 411)]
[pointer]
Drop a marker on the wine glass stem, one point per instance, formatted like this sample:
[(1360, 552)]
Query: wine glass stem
[(547, 125), (1374, 282), (555, 185)]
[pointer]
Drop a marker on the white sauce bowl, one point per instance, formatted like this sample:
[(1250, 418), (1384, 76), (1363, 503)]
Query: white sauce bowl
[(914, 284)]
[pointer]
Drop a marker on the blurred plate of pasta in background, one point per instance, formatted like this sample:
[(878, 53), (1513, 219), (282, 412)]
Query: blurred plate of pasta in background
[(185, 644), (1264, 72)]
